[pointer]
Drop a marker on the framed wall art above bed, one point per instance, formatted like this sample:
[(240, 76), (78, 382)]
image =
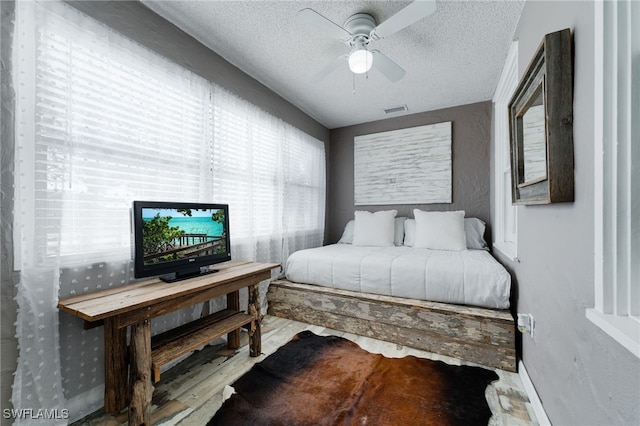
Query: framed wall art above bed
[(406, 166)]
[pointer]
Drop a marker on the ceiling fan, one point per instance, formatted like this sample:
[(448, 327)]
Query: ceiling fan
[(359, 31)]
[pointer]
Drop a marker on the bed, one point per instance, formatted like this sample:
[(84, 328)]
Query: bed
[(470, 277), (450, 302)]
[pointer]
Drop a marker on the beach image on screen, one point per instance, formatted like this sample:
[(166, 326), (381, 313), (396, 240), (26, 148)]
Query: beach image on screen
[(174, 234)]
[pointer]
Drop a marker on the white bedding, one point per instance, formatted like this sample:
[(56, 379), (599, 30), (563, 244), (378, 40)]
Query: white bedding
[(468, 277)]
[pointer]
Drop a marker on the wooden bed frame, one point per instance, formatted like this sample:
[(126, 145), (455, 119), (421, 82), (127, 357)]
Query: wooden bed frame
[(480, 335)]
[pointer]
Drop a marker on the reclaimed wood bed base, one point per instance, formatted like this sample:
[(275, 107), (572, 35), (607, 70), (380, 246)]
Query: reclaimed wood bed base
[(480, 335)]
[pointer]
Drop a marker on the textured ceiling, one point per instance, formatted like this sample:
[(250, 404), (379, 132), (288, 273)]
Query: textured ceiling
[(452, 57)]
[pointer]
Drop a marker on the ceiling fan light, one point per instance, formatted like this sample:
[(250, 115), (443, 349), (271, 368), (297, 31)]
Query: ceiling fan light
[(360, 61)]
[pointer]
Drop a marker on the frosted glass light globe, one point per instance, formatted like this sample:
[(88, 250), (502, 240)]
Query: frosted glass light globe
[(360, 61)]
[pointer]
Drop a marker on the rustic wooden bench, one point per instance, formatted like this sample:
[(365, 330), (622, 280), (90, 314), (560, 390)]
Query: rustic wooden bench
[(480, 335), (131, 368)]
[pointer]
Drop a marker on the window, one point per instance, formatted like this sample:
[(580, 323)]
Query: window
[(101, 121), (104, 121), (617, 178), (271, 175), (505, 239), (304, 186)]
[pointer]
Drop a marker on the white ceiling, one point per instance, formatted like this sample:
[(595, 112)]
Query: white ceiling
[(452, 57)]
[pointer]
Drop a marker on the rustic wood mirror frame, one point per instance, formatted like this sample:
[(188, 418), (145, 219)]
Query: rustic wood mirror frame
[(549, 75)]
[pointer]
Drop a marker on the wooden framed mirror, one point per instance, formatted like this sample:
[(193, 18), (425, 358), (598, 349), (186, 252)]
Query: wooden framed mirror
[(541, 125)]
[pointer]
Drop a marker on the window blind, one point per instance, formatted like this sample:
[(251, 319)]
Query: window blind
[(102, 121), (271, 175), (112, 122)]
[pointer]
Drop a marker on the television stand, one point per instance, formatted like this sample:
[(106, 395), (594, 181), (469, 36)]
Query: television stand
[(132, 367), (176, 276)]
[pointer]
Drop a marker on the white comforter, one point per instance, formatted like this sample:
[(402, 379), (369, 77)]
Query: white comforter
[(470, 277)]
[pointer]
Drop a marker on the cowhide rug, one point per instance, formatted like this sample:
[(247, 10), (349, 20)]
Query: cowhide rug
[(315, 380)]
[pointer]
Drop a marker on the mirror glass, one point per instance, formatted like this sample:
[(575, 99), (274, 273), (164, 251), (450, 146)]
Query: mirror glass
[(534, 141)]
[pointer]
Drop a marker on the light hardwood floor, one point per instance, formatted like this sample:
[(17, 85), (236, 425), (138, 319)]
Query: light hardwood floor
[(190, 393)]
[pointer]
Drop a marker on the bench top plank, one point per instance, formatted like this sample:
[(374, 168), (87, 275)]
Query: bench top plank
[(102, 304)]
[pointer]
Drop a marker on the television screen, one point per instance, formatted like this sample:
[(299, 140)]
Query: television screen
[(179, 238)]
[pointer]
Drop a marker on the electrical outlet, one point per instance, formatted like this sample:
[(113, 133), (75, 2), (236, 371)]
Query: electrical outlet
[(526, 324)]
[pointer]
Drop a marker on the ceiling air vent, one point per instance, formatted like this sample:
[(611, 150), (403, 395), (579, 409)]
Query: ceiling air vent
[(395, 110)]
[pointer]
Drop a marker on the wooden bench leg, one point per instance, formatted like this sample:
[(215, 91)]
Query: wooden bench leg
[(255, 335), (141, 387), (115, 366), (233, 303)]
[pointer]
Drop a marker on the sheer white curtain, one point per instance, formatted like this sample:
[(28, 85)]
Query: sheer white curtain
[(304, 191), (101, 121), (110, 122), (273, 178)]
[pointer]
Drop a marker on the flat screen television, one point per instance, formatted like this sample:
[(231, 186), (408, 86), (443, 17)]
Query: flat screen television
[(179, 240)]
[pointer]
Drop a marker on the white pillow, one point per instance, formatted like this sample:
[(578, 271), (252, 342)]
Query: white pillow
[(398, 236), (409, 232), (347, 234), (474, 229), (374, 229), (440, 230)]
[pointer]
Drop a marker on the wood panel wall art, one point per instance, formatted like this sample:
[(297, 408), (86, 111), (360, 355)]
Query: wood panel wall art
[(406, 166)]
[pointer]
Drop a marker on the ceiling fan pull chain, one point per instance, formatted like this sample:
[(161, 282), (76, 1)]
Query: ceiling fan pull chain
[(366, 75), (354, 83)]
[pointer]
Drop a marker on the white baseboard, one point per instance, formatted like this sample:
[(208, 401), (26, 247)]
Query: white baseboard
[(534, 399)]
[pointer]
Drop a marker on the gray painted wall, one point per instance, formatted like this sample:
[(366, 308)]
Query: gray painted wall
[(470, 144), (582, 376), (142, 25)]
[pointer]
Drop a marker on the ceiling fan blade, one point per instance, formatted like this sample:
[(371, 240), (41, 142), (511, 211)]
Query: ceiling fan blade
[(329, 68), (386, 66), (312, 18), (405, 17)]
